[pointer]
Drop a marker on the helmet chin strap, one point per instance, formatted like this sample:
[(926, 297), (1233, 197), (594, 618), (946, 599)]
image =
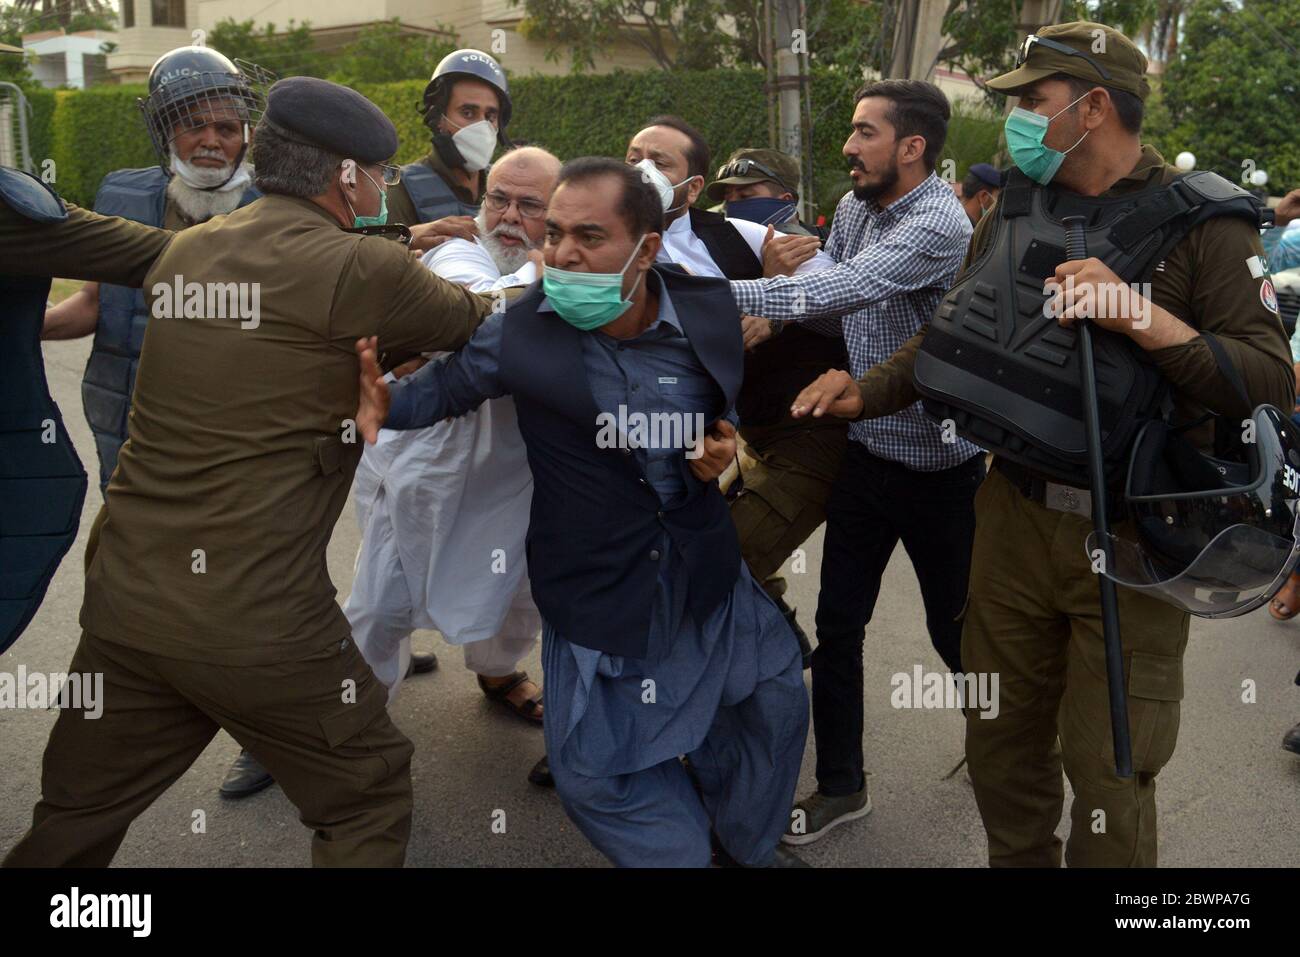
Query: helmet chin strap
[(446, 149)]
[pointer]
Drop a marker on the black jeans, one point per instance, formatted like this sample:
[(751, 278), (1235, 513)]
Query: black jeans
[(873, 504)]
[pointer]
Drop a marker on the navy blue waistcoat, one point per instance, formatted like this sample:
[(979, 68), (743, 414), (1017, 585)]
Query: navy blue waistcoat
[(596, 529)]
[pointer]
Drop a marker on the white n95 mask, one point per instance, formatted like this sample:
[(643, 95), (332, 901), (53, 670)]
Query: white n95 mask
[(476, 143)]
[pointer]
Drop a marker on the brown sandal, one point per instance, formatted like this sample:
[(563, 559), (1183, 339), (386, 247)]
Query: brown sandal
[(529, 708)]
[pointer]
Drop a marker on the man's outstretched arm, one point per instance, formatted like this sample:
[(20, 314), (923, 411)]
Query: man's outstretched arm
[(441, 390), (886, 388)]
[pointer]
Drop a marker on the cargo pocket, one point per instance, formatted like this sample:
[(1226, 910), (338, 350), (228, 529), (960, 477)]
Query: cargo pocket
[(1155, 690), (361, 732), (341, 726), (764, 513)]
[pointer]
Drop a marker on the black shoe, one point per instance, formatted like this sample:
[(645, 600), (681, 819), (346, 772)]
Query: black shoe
[(422, 663), (805, 646), (246, 776), (1291, 740), (541, 774)]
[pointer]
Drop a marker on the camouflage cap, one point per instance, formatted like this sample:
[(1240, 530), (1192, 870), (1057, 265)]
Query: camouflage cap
[(755, 166), (1090, 51)]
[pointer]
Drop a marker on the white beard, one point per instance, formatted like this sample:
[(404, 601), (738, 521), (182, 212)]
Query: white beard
[(200, 205), (509, 259)]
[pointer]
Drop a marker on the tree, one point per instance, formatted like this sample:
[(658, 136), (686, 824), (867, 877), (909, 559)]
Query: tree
[(695, 34), (69, 15), (981, 32), (1229, 93), (14, 67), (382, 53), (291, 53)]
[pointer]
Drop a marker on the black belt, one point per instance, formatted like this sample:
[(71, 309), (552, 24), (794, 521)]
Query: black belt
[(1056, 495)]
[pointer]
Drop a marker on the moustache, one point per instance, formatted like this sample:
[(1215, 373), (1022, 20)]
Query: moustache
[(506, 229)]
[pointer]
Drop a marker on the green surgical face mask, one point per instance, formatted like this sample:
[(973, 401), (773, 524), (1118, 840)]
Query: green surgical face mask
[(589, 300), (1025, 130), (381, 218)]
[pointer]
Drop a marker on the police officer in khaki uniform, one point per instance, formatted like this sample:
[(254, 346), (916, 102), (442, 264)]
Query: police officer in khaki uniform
[(207, 600), (1033, 614)]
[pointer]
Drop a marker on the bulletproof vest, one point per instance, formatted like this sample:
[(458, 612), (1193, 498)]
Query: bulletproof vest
[(778, 369), (430, 194), (42, 483), (1006, 374), (141, 195)]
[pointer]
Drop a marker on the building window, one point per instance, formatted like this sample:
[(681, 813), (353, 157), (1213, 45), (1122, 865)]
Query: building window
[(128, 14), (168, 13)]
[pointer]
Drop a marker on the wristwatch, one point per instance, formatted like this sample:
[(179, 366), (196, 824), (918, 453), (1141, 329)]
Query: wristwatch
[(776, 325)]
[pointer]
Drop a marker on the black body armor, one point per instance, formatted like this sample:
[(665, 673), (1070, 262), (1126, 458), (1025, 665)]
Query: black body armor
[(1007, 374)]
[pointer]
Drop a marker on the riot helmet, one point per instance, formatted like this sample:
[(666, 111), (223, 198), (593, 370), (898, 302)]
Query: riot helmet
[(1214, 536), (193, 86), (459, 65)]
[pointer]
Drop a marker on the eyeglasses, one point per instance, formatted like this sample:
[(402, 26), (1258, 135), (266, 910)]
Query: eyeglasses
[(528, 208), (742, 167), (392, 174), (1034, 40)]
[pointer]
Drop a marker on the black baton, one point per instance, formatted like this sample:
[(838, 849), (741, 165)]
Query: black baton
[(1076, 247)]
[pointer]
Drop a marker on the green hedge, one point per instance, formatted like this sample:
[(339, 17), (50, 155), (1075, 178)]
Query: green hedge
[(98, 130), (40, 124), (94, 132)]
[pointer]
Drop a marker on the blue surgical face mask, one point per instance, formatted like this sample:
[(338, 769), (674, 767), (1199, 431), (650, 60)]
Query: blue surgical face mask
[(381, 218), (589, 300), (1025, 130), (762, 210)]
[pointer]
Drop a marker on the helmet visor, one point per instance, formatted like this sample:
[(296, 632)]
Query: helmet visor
[(1241, 569), (1215, 552)]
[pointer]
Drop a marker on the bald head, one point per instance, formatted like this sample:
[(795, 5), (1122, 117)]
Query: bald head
[(512, 219), (527, 166)]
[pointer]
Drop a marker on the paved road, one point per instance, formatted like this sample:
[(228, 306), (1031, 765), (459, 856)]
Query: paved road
[(1228, 797)]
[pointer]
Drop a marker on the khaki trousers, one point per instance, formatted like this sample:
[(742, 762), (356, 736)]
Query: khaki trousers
[(784, 499), (319, 725), (1033, 617)]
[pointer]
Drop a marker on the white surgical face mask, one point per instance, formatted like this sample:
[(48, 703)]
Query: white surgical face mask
[(476, 143), (662, 185), (204, 177)]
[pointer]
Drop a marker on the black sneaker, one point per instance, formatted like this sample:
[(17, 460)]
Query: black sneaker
[(818, 813)]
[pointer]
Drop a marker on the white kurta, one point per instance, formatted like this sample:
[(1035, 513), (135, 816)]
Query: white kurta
[(443, 514)]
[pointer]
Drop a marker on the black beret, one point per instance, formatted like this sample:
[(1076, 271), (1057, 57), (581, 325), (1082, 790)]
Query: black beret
[(333, 117)]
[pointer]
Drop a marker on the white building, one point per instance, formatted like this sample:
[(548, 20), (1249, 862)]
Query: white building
[(149, 28), (68, 59)]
